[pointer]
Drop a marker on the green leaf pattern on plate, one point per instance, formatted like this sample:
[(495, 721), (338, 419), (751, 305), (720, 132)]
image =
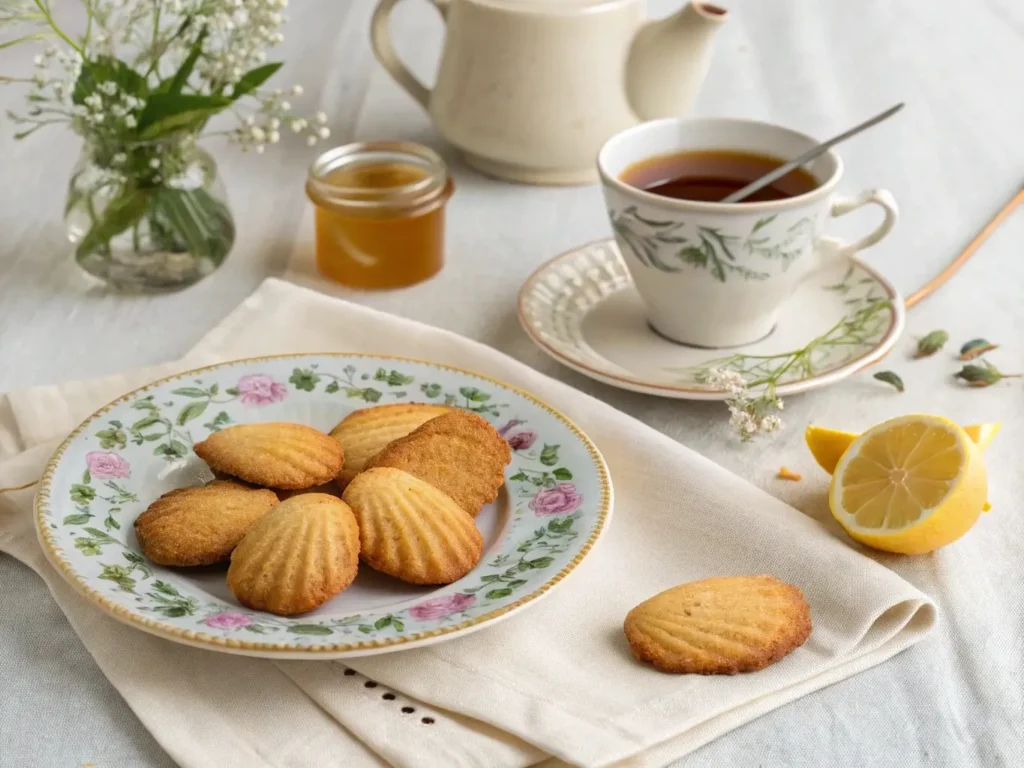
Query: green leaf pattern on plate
[(107, 492)]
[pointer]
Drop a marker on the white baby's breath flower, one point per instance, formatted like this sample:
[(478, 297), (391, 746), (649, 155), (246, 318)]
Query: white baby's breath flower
[(296, 90), (323, 133), (273, 137), (321, 118), (119, 159), (311, 141), (260, 148), (130, 121), (154, 163)]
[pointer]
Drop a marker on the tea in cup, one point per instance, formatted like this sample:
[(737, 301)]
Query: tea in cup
[(716, 274)]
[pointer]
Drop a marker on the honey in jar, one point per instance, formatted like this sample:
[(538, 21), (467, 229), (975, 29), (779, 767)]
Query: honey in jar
[(379, 209)]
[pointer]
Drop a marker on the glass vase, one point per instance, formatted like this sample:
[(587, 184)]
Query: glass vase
[(149, 216)]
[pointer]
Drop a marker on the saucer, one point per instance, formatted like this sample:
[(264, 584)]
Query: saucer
[(582, 309)]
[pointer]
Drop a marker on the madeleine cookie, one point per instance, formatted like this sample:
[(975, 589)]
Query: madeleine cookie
[(458, 453), (719, 626), (410, 530), (298, 557), (362, 434), (202, 525), (276, 454)]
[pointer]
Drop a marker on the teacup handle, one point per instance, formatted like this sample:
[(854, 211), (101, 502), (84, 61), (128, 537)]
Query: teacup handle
[(844, 205), (384, 50)]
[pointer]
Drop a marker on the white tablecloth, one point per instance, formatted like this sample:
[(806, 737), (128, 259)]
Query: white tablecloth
[(951, 159)]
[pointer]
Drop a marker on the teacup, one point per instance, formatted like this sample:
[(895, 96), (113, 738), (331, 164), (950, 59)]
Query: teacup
[(716, 274)]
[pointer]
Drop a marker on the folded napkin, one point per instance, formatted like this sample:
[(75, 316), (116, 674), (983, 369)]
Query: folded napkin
[(555, 680)]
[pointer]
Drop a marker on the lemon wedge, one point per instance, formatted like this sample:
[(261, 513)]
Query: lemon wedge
[(909, 485), (828, 445)]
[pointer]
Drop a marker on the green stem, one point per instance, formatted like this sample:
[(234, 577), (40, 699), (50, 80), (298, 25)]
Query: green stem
[(53, 25)]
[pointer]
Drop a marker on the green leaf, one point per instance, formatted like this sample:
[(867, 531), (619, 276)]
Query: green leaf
[(397, 379), (541, 562), (82, 494), (562, 474), (102, 69), (474, 395), (167, 113), (304, 379), (191, 411), (144, 422), (111, 524), (365, 629), (332, 388), (151, 438), (549, 455), (203, 222), (134, 557), (165, 588), (398, 625), (450, 399), (254, 78), (380, 375), (256, 629), (234, 391), (185, 70), (763, 223), (111, 438), (430, 390), (383, 621), (976, 348), (189, 392), (310, 629), (931, 343), (76, 519), (890, 378), (490, 577), (519, 476), (497, 594), (370, 395), (516, 583), (121, 214), (174, 611)]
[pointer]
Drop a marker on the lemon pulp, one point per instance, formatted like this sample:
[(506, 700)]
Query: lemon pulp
[(909, 485)]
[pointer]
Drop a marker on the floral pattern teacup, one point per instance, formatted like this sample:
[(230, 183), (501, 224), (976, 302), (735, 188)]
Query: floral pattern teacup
[(716, 274)]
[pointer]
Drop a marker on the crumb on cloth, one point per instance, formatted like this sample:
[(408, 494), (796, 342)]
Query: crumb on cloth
[(787, 474)]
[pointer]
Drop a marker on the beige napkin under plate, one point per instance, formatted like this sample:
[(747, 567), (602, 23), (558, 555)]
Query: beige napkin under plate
[(557, 679)]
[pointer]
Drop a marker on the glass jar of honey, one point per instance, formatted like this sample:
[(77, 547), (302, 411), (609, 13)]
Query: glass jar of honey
[(379, 209)]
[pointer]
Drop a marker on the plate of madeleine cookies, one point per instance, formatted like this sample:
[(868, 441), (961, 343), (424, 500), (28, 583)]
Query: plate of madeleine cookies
[(321, 506)]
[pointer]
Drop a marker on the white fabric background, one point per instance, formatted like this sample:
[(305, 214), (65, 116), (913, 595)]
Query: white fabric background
[(951, 159)]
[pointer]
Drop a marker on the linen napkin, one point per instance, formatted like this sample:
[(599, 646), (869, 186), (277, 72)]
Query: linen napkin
[(557, 679)]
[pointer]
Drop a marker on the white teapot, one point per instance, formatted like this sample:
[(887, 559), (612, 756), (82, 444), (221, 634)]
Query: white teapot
[(529, 90)]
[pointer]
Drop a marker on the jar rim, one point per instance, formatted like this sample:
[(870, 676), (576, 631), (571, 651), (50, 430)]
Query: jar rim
[(414, 194)]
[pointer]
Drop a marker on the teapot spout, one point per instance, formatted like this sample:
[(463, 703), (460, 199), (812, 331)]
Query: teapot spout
[(669, 58)]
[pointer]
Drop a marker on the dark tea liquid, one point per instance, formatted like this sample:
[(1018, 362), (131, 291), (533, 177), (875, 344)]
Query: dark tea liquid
[(711, 175)]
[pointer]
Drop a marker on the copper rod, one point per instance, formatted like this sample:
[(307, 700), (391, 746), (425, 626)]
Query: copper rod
[(932, 285)]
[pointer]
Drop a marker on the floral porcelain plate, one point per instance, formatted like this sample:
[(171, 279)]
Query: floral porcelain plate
[(555, 503), (581, 308)]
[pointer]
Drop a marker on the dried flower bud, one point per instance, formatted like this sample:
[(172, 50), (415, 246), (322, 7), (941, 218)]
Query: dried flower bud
[(931, 343), (982, 374), (976, 348), (890, 378)]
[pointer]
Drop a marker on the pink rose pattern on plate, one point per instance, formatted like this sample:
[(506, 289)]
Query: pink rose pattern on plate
[(260, 389), (560, 500), (439, 607), (107, 464), (227, 620)]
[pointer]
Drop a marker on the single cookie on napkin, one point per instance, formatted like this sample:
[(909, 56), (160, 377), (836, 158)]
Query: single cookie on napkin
[(719, 626)]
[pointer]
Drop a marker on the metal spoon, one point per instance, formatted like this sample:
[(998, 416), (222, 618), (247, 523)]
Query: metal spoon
[(807, 156)]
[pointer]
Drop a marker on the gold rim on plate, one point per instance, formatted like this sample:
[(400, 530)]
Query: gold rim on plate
[(55, 554)]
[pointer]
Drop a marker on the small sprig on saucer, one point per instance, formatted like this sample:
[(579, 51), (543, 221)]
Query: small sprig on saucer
[(750, 414)]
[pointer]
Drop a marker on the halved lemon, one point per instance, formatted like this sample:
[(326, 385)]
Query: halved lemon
[(910, 485), (828, 445)]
